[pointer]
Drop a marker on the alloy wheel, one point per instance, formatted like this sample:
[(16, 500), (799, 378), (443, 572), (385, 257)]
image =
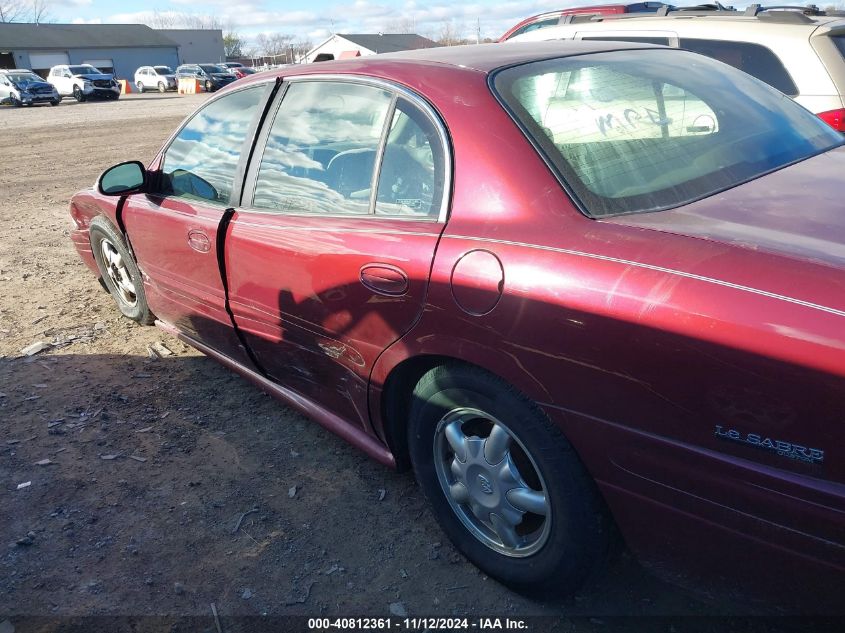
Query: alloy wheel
[(491, 482), (117, 273)]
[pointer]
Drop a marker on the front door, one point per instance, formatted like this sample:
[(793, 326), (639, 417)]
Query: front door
[(173, 230), (329, 255)]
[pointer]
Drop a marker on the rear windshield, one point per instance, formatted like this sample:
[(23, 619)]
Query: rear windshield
[(645, 130)]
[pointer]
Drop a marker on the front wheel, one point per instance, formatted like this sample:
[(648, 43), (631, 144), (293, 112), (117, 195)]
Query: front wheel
[(209, 87), (504, 484), (56, 102), (140, 87), (119, 272), (78, 94), (162, 88)]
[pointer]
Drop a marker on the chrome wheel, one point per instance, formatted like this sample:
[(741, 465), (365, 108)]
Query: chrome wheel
[(491, 482), (118, 274)]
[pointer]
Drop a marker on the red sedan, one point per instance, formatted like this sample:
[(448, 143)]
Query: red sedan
[(583, 289)]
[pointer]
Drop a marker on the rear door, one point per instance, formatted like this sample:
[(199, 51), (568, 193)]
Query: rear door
[(174, 230), (328, 257)]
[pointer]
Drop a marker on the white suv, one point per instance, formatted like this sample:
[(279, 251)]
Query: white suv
[(83, 82), (161, 78), (799, 52)]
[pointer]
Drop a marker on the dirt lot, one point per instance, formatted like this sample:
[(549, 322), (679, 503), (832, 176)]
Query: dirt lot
[(153, 462)]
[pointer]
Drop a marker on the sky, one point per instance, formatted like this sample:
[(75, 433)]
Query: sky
[(315, 20)]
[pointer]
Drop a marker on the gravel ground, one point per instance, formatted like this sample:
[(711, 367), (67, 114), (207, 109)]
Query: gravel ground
[(124, 477)]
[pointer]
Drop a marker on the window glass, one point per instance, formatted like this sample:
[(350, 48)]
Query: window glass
[(622, 37), (411, 177), (201, 162), (658, 129), (540, 24), (758, 61), (321, 151)]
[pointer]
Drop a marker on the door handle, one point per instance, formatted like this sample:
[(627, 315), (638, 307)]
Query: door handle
[(199, 241), (384, 279)]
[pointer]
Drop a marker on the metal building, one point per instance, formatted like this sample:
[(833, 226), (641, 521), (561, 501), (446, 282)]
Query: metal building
[(118, 48)]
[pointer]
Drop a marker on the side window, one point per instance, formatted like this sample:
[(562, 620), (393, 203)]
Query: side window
[(621, 37), (411, 177), (541, 24), (754, 59), (321, 151), (201, 161)]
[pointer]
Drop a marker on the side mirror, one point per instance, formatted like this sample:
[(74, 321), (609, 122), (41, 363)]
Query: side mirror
[(123, 179)]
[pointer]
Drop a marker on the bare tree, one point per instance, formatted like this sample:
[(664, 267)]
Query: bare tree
[(11, 10), (179, 20), (39, 11), (401, 25), (451, 34)]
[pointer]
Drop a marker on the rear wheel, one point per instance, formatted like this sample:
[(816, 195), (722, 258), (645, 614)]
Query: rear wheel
[(209, 87), (119, 272), (504, 484)]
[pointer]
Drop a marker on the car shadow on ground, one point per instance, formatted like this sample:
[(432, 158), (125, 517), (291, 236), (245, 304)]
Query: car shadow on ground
[(142, 486)]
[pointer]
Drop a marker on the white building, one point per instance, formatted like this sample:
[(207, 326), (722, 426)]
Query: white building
[(344, 46)]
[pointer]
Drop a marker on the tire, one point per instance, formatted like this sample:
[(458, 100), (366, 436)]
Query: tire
[(140, 87), (56, 102), (162, 88), (78, 94), (548, 538), (15, 101), (119, 272), (209, 87)]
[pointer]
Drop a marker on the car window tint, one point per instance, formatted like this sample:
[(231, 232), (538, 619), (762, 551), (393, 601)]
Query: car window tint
[(411, 176), (201, 161), (631, 133), (754, 59), (622, 37), (321, 151)]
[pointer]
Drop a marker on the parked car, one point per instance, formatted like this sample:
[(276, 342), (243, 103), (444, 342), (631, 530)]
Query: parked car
[(623, 310), (161, 78), (23, 87), (210, 76), (243, 71), (799, 52), (553, 18), (83, 82)]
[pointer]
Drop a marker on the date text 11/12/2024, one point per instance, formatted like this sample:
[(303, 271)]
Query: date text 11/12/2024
[(418, 624)]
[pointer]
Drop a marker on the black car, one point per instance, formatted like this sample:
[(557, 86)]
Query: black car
[(210, 76)]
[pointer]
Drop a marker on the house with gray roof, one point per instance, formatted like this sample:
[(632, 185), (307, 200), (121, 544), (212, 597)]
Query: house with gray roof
[(346, 46), (118, 48)]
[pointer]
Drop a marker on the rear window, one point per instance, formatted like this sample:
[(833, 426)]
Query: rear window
[(754, 59), (636, 131)]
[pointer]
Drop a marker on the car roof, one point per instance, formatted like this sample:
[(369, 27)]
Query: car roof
[(474, 57), (683, 21)]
